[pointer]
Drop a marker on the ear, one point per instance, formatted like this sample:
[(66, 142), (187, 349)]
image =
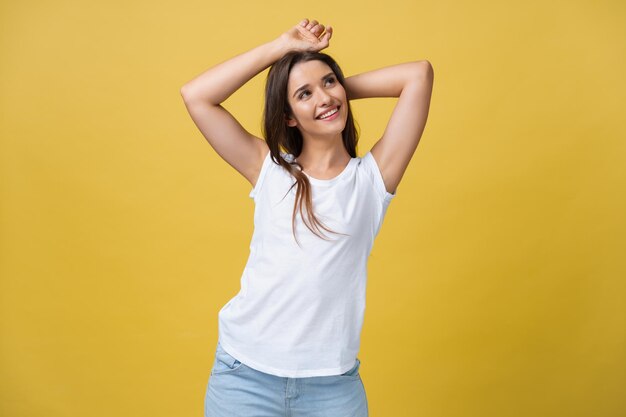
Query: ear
[(291, 122)]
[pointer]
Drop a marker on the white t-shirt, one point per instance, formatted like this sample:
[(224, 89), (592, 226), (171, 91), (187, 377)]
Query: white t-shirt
[(300, 309)]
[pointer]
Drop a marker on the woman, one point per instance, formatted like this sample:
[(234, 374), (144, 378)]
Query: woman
[(288, 341)]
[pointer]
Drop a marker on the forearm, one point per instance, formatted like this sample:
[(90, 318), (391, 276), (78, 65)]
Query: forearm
[(219, 82), (385, 82)]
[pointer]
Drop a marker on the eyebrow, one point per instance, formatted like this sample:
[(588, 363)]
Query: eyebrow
[(306, 85)]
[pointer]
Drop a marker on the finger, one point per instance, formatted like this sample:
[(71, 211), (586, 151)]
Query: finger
[(304, 22), (328, 33), (311, 24), (317, 30), (327, 36)]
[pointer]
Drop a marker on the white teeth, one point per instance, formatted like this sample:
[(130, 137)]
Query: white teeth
[(330, 113)]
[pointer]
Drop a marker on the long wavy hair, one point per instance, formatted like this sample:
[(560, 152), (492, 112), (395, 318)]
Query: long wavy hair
[(279, 135)]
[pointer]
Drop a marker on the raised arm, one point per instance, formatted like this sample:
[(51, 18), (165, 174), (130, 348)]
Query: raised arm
[(204, 94), (203, 97), (412, 83)]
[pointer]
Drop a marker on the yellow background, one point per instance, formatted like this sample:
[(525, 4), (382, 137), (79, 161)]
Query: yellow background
[(496, 285)]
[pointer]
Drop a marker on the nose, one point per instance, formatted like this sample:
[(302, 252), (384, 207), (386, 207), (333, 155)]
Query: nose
[(324, 98)]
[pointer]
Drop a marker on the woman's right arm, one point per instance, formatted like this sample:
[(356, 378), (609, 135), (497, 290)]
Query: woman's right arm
[(218, 83), (204, 94)]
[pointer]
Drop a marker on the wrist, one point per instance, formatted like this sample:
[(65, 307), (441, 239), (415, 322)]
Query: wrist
[(278, 47)]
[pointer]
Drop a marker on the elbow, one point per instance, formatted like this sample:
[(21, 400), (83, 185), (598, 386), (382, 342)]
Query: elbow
[(187, 94), (429, 68), (184, 91), (425, 70), (193, 95), (424, 64)]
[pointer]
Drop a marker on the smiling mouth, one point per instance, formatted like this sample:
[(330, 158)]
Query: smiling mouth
[(336, 110)]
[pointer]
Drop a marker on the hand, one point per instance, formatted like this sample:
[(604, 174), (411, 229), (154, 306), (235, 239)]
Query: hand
[(305, 36)]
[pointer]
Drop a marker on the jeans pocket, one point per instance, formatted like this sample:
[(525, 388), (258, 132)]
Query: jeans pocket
[(354, 372), (224, 362)]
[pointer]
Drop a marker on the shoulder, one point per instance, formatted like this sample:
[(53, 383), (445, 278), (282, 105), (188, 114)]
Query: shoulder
[(369, 164)]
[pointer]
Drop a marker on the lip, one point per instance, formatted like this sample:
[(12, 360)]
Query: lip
[(326, 111)]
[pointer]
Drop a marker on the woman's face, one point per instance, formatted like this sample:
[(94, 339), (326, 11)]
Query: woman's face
[(313, 90)]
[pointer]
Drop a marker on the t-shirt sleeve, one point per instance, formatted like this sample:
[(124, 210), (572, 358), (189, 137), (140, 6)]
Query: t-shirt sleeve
[(377, 177), (267, 163)]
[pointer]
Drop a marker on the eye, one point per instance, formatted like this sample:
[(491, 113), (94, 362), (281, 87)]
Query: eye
[(329, 79)]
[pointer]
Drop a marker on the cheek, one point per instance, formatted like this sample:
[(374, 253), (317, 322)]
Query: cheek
[(303, 110)]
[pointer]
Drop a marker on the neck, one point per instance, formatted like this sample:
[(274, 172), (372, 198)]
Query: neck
[(323, 155)]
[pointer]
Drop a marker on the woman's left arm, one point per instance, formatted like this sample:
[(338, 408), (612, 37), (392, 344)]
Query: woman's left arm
[(412, 83)]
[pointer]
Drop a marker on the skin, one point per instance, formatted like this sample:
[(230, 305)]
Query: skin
[(323, 153)]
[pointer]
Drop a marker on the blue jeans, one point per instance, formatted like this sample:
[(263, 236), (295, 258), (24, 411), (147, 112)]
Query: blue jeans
[(236, 390)]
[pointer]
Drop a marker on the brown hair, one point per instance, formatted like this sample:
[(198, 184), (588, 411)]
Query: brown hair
[(278, 134)]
